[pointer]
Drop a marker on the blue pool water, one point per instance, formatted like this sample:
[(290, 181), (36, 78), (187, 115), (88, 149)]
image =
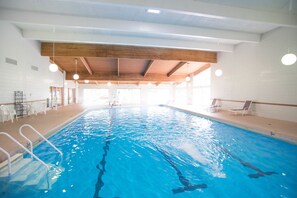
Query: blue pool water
[(161, 152)]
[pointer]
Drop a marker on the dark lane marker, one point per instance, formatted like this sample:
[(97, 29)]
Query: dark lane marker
[(259, 173), (100, 182), (187, 186)]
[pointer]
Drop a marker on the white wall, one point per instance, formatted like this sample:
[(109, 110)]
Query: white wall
[(20, 77), (254, 71)]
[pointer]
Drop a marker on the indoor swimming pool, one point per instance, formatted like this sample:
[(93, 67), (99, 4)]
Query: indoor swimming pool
[(162, 152)]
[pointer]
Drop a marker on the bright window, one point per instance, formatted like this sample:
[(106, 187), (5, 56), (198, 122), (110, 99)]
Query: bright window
[(128, 96), (158, 96), (201, 89), (95, 96)]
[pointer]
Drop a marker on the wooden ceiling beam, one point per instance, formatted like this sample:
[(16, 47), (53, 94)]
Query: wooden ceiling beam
[(87, 66), (148, 67), (201, 69), (179, 65), (97, 77), (122, 51)]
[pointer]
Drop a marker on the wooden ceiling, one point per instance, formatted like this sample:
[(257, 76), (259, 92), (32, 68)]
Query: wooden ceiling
[(127, 64)]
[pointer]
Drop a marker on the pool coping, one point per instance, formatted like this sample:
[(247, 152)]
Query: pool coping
[(261, 131)]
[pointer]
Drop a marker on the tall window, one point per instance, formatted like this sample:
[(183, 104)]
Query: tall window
[(158, 96), (181, 95), (96, 96), (128, 96), (201, 88)]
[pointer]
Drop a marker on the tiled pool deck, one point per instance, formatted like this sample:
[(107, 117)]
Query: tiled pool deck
[(55, 119)]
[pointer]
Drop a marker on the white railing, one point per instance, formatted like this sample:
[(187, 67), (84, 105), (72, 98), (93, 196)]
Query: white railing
[(32, 155), (8, 159), (31, 144)]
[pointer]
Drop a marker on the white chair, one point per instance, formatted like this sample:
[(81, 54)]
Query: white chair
[(7, 112), (213, 107), (244, 110), (38, 107)]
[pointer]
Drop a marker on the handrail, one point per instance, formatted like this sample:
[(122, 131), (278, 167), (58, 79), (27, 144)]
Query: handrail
[(9, 161), (34, 156), (31, 144)]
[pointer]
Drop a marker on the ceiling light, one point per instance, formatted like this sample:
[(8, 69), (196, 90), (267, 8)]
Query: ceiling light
[(75, 76), (153, 11), (188, 79), (53, 67), (87, 81), (289, 59), (218, 72), (109, 84)]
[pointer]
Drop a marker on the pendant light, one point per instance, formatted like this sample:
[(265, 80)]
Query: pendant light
[(53, 67), (218, 72), (188, 79), (289, 59), (75, 76)]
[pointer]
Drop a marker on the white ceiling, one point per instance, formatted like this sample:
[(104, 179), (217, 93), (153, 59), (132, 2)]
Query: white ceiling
[(215, 25)]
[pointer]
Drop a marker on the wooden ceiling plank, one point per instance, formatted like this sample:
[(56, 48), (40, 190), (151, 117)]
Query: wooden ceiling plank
[(122, 51), (201, 69), (87, 66), (97, 77), (179, 65), (148, 67)]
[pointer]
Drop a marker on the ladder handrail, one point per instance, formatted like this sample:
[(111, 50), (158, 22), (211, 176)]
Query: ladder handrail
[(31, 144), (9, 160), (34, 156)]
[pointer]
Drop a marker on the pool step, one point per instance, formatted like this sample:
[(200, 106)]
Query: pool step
[(54, 174), (29, 173), (24, 172), (15, 167)]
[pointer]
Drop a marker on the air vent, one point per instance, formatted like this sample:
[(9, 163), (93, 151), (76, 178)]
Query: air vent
[(35, 68), (11, 61)]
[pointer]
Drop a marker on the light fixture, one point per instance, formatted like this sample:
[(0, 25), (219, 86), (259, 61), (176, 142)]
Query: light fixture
[(149, 84), (53, 67), (188, 79), (87, 81), (153, 11), (75, 76), (218, 72), (109, 84), (289, 59)]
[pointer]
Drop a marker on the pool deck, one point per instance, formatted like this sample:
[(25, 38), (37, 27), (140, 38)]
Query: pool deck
[(55, 119)]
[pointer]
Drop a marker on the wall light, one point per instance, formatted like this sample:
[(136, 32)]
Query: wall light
[(87, 81), (188, 79), (109, 84)]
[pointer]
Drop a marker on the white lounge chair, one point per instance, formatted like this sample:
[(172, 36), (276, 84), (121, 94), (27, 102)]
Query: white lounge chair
[(213, 107), (7, 112), (244, 110)]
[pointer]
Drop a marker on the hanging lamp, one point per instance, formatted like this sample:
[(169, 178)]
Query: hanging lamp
[(53, 67), (75, 76)]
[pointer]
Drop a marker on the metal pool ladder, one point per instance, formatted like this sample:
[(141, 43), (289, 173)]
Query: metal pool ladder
[(31, 153), (37, 132)]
